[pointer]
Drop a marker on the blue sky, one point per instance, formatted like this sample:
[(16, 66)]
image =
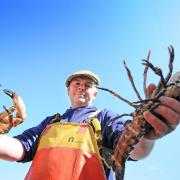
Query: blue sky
[(42, 42)]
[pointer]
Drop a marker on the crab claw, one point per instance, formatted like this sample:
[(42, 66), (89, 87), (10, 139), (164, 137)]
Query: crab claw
[(9, 93), (18, 105)]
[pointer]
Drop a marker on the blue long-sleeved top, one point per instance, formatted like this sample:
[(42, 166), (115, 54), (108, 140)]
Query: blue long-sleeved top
[(30, 137)]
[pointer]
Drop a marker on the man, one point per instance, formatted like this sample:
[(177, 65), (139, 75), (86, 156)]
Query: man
[(82, 90)]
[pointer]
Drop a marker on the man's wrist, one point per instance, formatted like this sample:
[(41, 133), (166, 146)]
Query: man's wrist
[(142, 149)]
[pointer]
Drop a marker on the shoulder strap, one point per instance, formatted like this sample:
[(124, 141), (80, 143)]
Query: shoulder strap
[(95, 124), (55, 118), (94, 113)]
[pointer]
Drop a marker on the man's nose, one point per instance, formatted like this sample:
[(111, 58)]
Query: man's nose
[(81, 87)]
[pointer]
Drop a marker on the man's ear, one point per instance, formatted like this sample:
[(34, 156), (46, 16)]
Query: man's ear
[(68, 91), (95, 94)]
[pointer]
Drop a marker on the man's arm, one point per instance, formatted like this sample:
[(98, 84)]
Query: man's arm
[(10, 148)]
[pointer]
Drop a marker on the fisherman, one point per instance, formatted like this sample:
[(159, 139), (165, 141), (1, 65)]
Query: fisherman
[(65, 147)]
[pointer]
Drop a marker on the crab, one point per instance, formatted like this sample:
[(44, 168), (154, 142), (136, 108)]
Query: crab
[(14, 115)]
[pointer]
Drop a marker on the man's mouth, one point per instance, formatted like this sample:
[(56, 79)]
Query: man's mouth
[(81, 95)]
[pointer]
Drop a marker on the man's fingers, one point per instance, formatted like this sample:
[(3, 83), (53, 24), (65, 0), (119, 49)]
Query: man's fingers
[(171, 117), (150, 89), (171, 103), (159, 127)]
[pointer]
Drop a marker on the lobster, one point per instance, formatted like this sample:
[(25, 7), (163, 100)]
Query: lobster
[(138, 126)]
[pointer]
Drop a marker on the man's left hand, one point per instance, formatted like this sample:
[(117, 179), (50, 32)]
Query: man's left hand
[(169, 109)]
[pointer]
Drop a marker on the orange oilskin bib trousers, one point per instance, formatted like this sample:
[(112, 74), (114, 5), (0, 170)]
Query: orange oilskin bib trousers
[(67, 151)]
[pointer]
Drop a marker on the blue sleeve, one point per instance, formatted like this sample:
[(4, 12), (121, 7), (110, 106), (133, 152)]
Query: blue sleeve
[(112, 126), (30, 138)]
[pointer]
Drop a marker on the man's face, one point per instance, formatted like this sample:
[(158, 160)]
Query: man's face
[(81, 91)]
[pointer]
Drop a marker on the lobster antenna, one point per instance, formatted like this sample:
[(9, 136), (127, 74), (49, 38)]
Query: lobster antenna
[(118, 96)]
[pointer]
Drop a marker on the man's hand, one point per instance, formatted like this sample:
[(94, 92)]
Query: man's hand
[(169, 109)]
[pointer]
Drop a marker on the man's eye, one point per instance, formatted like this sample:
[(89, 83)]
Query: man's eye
[(77, 83), (88, 85)]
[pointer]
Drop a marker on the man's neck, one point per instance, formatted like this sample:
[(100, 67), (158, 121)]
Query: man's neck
[(79, 105)]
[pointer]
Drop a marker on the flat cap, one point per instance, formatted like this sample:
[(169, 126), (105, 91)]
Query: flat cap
[(83, 73)]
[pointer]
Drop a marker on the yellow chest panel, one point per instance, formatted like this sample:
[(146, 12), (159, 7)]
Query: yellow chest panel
[(70, 135)]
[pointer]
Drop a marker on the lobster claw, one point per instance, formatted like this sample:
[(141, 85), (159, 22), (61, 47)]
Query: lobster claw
[(175, 79)]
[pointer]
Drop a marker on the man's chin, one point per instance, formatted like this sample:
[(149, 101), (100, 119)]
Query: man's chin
[(83, 102)]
